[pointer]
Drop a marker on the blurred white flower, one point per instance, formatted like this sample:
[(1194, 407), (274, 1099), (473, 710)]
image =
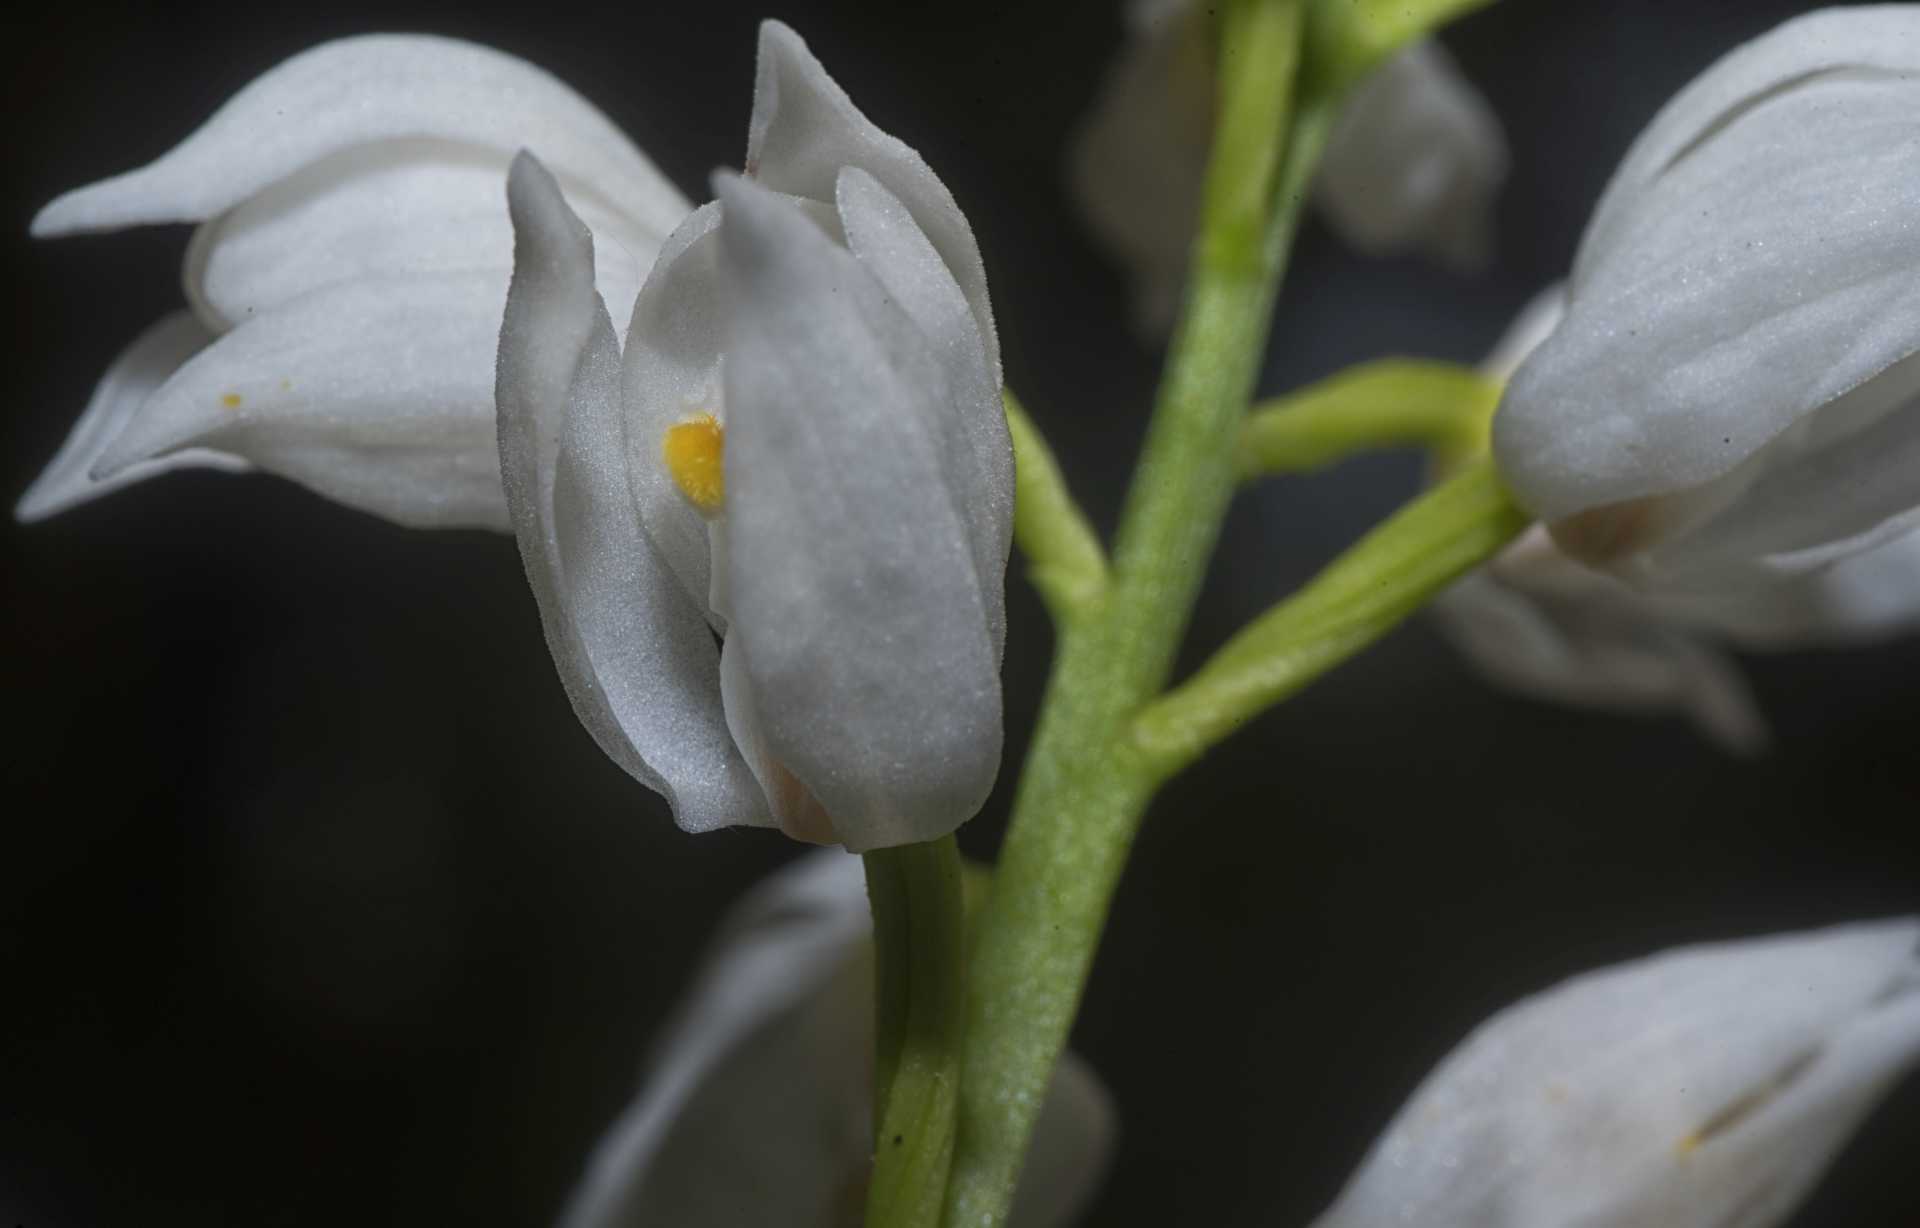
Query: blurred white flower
[(758, 1110), (803, 450), (347, 276), (1735, 394), (1412, 164), (1542, 623), (1705, 1087)]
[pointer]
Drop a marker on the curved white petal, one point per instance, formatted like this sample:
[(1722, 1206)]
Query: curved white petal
[(670, 373), (1140, 156), (397, 207), (977, 447), (1843, 40), (759, 1107), (804, 129), (1706, 1087), (1415, 161), (358, 91), (1535, 323), (1711, 324), (1606, 649), (1840, 480), (375, 393), (635, 654), (1864, 597), (852, 572), (134, 376), (756, 1112)]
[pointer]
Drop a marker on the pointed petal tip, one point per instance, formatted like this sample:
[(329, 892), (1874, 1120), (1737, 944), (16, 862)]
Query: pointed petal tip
[(36, 504), (49, 222), (775, 33), (88, 209)]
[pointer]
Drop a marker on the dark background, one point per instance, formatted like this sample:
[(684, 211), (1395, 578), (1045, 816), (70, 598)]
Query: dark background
[(317, 906)]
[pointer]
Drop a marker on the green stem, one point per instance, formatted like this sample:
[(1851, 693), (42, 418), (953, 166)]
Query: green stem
[(1086, 783), (1363, 594), (919, 930), (1393, 402), (1064, 559)]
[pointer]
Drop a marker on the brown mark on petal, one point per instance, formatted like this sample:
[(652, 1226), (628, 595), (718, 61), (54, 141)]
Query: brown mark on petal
[(798, 811), (1748, 1103), (1602, 535), (230, 401)]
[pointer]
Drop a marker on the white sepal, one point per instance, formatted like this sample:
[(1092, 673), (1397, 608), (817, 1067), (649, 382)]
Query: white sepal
[(853, 570), (351, 264), (358, 91), (758, 1105), (805, 129), (1734, 396), (395, 209), (1705, 1087), (1414, 162), (376, 393), (67, 480), (635, 653)]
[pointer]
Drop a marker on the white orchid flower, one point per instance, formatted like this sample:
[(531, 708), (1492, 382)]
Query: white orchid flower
[(759, 1106), (1705, 1087), (1735, 394), (1412, 164), (1542, 623), (802, 448), (346, 278)]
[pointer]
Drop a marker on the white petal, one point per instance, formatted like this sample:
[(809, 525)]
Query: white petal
[(978, 449), (134, 376), (1708, 317), (853, 575), (1605, 650), (671, 373), (1867, 596), (1840, 480), (1415, 161), (1708, 1086), (397, 207), (797, 812), (1535, 323), (1875, 38), (757, 1110), (636, 656), (804, 129), (357, 91), (1140, 156), (375, 393)]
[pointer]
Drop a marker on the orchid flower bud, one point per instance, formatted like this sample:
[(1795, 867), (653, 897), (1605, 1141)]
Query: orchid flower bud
[(1734, 395), (346, 278), (1542, 623), (801, 449), (759, 1106), (1705, 1087), (1412, 164)]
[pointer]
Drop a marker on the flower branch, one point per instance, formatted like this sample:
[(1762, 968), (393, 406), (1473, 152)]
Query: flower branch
[(1389, 574), (1064, 557), (1389, 403)]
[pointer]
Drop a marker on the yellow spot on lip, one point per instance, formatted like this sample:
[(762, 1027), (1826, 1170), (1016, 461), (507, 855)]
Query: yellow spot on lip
[(694, 451), (230, 401)]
